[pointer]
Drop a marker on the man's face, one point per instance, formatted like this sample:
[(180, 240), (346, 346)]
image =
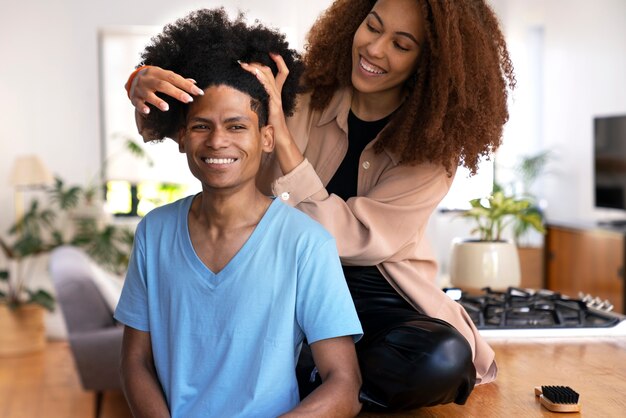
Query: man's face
[(222, 140)]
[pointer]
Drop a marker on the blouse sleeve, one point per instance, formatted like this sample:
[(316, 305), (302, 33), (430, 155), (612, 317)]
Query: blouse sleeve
[(385, 224)]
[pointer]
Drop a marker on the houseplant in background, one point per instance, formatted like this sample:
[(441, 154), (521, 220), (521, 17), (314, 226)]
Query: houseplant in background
[(529, 169), (48, 223), (43, 227), (490, 259), (21, 307)]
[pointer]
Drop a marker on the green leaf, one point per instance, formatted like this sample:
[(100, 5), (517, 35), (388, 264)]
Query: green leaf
[(65, 198), (494, 214), (137, 150), (43, 298)]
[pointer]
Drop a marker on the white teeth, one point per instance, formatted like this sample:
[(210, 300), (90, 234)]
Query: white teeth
[(219, 160), (370, 69)]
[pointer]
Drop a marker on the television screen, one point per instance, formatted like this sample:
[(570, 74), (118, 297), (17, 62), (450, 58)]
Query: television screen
[(610, 162)]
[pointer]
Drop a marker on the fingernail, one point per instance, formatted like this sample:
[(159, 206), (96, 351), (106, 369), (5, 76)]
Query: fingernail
[(164, 107), (199, 91), (146, 110)]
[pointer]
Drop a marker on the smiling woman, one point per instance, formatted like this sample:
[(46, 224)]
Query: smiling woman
[(384, 54)]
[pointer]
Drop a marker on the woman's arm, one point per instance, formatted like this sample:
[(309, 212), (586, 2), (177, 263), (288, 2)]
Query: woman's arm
[(384, 224), (338, 395), (139, 379)]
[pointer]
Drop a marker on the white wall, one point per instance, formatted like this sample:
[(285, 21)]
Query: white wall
[(582, 74)]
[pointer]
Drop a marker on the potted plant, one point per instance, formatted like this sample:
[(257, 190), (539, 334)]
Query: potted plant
[(68, 216), (490, 259), (42, 228), (22, 308)]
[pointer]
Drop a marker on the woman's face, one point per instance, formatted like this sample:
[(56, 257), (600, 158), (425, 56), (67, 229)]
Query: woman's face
[(386, 46)]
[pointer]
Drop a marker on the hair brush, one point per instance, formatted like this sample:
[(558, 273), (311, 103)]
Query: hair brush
[(558, 398)]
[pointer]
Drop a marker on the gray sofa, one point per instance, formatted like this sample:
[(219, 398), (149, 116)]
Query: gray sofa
[(95, 338)]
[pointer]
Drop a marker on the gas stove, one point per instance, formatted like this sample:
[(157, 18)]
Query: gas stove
[(523, 313)]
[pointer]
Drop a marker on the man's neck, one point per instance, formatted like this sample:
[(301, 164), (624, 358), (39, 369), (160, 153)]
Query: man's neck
[(220, 225), (221, 212)]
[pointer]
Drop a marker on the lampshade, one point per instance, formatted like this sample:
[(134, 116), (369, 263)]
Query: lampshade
[(29, 172)]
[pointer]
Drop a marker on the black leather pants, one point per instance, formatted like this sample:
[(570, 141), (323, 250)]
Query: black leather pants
[(407, 359)]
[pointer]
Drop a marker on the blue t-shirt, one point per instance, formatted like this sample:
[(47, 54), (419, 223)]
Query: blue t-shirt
[(226, 344)]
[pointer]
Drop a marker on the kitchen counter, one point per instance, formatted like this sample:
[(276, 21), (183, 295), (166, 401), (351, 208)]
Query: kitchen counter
[(595, 368), (46, 384)]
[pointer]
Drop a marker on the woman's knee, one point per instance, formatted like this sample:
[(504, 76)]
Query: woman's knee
[(418, 363)]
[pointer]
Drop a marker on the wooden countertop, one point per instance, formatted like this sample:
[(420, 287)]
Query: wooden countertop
[(46, 384), (596, 369)]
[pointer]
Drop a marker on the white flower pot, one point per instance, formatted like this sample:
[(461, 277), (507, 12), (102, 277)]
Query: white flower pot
[(476, 264)]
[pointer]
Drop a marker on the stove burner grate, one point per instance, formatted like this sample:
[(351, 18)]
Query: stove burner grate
[(518, 308)]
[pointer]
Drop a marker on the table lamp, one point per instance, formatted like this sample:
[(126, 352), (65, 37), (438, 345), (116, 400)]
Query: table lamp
[(28, 172)]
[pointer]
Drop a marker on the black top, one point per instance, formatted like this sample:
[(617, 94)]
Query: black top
[(368, 287), (360, 133)]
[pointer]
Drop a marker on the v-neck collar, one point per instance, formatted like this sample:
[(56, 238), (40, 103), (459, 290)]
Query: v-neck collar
[(249, 247)]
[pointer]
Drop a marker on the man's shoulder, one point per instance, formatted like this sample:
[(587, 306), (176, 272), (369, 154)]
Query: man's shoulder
[(162, 216), (299, 222)]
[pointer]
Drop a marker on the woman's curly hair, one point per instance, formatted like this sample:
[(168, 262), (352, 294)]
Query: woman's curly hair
[(205, 45), (457, 103)]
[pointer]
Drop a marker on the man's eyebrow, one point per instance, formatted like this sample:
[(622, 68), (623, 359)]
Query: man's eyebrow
[(198, 119), (241, 118), (407, 34)]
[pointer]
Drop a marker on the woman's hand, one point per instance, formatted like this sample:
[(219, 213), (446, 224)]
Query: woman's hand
[(152, 80), (288, 154)]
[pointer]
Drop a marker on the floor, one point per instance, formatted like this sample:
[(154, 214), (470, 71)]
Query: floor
[(46, 385)]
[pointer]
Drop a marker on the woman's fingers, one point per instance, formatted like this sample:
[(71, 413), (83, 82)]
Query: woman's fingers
[(273, 85), (152, 80), (265, 76), (283, 71)]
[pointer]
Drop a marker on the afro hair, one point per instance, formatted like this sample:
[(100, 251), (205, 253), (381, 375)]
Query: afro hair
[(206, 46), (456, 104)]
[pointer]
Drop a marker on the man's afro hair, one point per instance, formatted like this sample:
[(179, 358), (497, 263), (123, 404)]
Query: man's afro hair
[(205, 46)]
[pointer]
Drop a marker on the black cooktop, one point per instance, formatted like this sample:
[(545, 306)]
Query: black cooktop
[(518, 308)]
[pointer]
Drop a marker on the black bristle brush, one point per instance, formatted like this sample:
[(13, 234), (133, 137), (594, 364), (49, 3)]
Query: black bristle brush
[(558, 398)]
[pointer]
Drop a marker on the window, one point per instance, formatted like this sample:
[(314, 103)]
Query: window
[(465, 188), (136, 182)]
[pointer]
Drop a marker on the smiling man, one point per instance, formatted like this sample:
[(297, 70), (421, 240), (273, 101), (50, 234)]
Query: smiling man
[(224, 286)]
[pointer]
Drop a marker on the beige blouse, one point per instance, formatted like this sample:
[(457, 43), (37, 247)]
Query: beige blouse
[(384, 224)]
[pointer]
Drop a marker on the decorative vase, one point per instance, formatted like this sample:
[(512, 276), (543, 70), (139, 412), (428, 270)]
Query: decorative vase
[(475, 264), (22, 330)]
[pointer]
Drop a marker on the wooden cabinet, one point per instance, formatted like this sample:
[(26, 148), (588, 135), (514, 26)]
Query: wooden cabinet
[(586, 259)]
